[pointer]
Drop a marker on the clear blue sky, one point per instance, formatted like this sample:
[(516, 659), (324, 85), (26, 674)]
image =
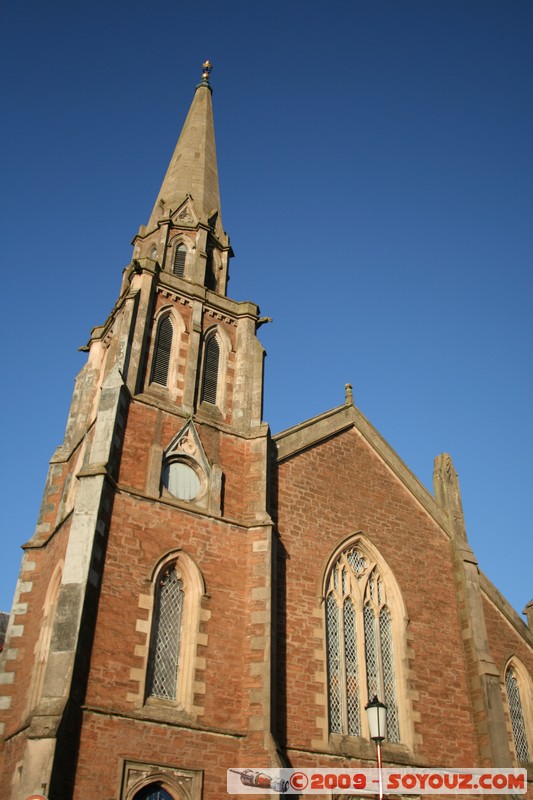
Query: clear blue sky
[(376, 165)]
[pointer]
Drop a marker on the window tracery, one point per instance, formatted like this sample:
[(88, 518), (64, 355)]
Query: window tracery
[(359, 643)]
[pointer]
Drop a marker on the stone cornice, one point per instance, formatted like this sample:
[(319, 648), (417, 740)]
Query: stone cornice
[(155, 397), (217, 303)]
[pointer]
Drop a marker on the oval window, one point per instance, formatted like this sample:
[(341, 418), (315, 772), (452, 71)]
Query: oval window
[(181, 480)]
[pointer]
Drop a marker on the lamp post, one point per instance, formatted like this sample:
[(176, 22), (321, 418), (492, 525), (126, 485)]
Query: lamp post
[(377, 724)]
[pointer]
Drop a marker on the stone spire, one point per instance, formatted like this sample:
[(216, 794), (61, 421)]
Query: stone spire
[(193, 167)]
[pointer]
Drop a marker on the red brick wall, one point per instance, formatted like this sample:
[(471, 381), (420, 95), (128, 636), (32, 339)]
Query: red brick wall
[(45, 560), (326, 493), (116, 739), (141, 533), (504, 641), (242, 461)]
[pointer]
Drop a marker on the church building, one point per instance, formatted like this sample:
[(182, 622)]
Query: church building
[(201, 594)]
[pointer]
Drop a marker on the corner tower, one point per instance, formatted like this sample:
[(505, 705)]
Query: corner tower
[(138, 648)]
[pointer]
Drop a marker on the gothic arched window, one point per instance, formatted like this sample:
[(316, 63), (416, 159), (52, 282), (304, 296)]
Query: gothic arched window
[(153, 792), (360, 652), (166, 635), (173, 667), (516, 709), (210, 374), (178, 266), (163, 347)]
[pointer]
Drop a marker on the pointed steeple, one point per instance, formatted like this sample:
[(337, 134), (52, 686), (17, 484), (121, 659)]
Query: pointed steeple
[(193, 167), (184, 235)]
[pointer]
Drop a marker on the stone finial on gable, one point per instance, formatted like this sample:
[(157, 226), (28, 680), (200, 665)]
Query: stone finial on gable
[(348, 388)]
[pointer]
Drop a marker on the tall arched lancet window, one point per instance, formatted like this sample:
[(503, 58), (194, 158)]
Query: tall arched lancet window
[(163, 347), (360, 651), (166, 635), (516, 710), (210, 375), (173, 665), (178, 266)]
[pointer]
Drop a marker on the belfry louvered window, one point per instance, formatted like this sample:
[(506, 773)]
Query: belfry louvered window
[(210, 376), (359, 645), (517, 715), (178, 267), (166, 636), (163, 347), (210, 279)]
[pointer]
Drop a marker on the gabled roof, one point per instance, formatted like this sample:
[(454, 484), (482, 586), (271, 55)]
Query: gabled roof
[(310, 433)]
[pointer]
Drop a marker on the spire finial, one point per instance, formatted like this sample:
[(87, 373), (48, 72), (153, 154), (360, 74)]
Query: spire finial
[(206, 70)]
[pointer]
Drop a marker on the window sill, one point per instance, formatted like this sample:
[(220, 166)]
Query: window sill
[(356, 747), (160, 710)]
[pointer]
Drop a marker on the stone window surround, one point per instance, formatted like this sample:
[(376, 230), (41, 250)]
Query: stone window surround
[(191, 665), (224, 345), (525, 685), (178, 329), (178, 241), (42, 646), (181, 784)]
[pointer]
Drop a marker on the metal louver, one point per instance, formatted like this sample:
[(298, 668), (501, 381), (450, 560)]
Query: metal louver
[(162, 352), (178, 267), (210, 381)]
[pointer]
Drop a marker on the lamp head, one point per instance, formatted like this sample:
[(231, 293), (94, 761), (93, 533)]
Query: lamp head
[(377, 719)]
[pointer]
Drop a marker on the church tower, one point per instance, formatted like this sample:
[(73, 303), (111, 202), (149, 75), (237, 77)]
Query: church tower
[(201, 596), (146, 578)]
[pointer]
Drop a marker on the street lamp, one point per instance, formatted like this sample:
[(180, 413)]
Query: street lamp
[(377, 724)]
